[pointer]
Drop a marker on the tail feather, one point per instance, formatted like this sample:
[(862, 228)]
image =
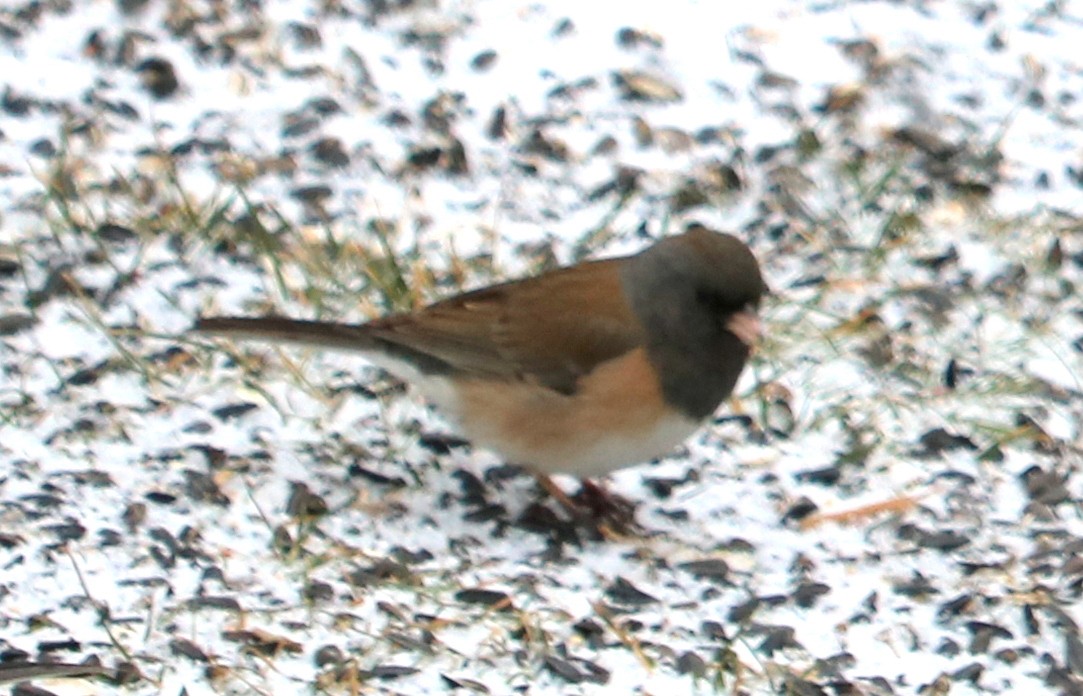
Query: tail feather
[(11, 672), (349, 337)]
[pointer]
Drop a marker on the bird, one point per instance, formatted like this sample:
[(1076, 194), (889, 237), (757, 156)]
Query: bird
[(580, 370)]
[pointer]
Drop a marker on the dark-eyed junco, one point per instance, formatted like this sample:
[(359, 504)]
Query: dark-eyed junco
[(580, 370)]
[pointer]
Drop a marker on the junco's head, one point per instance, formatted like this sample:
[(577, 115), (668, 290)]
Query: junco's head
[(697, 295)]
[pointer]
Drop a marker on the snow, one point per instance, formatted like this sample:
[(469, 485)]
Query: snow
[(149, 425)]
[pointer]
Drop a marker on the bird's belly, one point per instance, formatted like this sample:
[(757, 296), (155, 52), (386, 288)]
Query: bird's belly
[(588, 455), (617, 417)]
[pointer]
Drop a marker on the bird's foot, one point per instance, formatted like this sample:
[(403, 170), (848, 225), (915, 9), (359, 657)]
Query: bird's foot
[(611, 515)]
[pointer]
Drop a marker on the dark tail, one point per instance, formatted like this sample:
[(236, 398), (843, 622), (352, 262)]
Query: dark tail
[(25, 671), (351, 337)]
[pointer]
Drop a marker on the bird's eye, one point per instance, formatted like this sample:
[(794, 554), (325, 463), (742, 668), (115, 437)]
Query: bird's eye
[(714, 302), (708, 298)]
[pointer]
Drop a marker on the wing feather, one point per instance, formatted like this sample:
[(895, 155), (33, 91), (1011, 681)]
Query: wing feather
[(551, 329)]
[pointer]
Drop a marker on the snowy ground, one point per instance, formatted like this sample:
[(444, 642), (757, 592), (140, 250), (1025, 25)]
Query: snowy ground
[(894, 511)]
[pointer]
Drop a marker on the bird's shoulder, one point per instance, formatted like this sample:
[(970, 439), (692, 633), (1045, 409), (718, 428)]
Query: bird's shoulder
[(551, 329)]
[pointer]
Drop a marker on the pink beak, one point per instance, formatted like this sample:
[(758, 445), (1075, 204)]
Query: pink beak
[(746, 326)]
